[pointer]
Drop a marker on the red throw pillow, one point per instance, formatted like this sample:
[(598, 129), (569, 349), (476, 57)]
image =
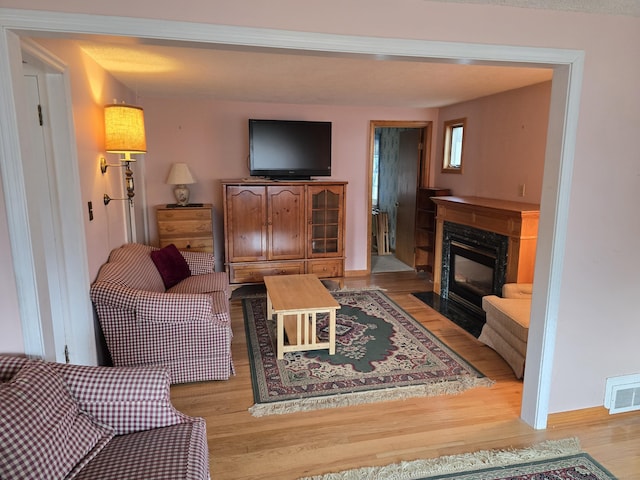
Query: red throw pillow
[(171, 264)]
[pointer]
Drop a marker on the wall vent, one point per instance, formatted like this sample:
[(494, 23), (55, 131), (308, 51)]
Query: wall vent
[(622, 394)]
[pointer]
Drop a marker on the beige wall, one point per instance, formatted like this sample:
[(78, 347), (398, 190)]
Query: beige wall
[(600, 280), (504, 145)]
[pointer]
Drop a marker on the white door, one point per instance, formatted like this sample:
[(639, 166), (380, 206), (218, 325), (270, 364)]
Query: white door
[(41, 220), (64, 327)]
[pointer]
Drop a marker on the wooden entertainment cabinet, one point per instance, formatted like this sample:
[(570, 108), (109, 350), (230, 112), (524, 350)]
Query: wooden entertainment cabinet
[(283, 228)]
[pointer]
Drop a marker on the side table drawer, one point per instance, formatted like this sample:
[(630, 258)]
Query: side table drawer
[(187, 226), (178, 214), (255, 272), (195, 244)]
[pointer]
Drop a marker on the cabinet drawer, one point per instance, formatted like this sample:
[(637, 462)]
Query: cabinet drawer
[(185, 227), (177, 214), (255, 272), (326, 268), (195, 244)]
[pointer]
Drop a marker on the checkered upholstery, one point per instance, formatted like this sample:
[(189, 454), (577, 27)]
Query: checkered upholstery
[(153, 440), (43, 432), (128, 399), (160, 454), (186, 328)]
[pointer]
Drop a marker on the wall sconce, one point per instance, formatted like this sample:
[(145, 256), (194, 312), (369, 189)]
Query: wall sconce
[(180, 176), (123, 133)]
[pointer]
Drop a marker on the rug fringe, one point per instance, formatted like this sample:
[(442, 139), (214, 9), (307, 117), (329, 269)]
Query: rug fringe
[(458, 463), (452, 387), (360, 289)]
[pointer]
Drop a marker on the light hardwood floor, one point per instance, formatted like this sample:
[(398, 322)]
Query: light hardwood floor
[(310, 443)]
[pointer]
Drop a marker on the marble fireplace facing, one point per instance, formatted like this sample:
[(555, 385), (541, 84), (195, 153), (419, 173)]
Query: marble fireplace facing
[(481, 244), (474, 264)]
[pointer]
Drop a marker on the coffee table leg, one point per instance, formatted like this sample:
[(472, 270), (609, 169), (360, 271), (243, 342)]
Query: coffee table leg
[(280, 329), (332, 332), (269, 307)]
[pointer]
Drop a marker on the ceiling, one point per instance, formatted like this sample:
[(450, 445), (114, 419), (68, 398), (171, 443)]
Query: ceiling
[(152, 68), (300, 77)]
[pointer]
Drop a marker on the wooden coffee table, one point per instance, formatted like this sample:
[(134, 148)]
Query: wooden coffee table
[(297, 300)]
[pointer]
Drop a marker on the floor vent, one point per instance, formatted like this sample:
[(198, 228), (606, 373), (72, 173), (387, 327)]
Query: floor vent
[(622, 394)]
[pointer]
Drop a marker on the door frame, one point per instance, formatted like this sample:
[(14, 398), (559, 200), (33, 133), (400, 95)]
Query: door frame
[(424, 168), (567, 66), (54, 326)]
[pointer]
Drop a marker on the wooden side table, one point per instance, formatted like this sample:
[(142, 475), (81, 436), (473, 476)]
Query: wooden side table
[(297, 300), (188, 228)]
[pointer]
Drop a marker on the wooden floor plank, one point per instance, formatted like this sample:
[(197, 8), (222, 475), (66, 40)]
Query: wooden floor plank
[(290, 446)]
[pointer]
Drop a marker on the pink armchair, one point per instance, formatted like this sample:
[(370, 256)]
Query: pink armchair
[(186, 328)]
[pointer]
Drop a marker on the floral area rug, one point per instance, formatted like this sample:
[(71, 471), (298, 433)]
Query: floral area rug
[(382, 353), (550, 460)]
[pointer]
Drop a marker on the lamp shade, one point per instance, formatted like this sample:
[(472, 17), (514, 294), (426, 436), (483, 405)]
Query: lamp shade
[(180, 175), (124, 129)]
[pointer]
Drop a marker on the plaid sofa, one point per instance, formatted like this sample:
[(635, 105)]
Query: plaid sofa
[(186, 328), (79, 422)]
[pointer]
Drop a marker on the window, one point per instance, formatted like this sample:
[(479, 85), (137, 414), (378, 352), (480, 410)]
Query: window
[(453, 143)]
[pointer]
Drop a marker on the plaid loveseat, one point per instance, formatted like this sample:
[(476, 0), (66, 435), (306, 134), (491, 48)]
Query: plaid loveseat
[(79, 422), (185, 328)]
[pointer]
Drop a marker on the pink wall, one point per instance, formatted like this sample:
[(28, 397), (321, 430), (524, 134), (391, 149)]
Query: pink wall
[(91, 89), (212, 138), (600, 279), (11, 339), (504, 144)]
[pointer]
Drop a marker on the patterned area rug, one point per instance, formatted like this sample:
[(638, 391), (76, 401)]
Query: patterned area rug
[(382, 353), (550, 460)]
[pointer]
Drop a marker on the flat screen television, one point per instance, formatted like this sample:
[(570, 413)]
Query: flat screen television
[(289, 149)]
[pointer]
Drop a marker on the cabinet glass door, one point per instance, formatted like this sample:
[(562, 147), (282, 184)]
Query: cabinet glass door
[(325, 221)]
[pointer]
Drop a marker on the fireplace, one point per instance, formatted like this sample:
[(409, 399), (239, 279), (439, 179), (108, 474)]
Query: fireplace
[(478, 218), (474, 263), (481, 244)]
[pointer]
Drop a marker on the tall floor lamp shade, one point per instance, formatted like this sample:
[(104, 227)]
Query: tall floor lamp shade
[(180, 176)]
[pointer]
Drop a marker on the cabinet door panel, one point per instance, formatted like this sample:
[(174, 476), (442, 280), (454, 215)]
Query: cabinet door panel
[(246, 216), (286, 222), (325, 229)]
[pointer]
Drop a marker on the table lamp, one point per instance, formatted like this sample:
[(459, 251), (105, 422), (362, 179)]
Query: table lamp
[(180, 176)]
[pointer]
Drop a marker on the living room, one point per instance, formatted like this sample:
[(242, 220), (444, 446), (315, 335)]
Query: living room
[(578, 310), (504, 147)]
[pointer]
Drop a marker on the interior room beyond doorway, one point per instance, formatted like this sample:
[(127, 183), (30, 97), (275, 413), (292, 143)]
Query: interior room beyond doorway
[(396, 170)]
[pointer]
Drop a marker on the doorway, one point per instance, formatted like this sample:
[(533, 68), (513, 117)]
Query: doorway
[(567, 65), (55, 327), (399, 166)]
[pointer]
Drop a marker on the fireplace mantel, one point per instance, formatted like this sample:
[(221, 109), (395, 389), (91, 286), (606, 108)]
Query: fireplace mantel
[(516, 220)]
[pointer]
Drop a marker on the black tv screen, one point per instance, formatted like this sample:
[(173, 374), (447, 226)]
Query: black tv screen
[(289, 149)]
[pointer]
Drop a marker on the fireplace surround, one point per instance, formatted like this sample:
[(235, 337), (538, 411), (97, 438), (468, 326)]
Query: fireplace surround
[(485, 231), (474, 264)]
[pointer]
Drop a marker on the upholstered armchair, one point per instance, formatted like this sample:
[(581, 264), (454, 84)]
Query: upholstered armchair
[(165, 308), (507, 327), (85, 422)]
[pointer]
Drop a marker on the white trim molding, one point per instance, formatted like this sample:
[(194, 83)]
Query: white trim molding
[(566, 85)]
